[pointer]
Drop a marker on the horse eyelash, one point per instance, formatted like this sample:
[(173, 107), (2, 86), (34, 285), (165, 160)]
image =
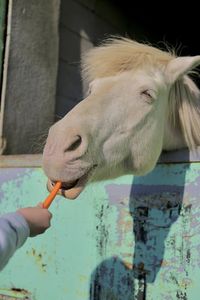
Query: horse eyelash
[(147, 93)]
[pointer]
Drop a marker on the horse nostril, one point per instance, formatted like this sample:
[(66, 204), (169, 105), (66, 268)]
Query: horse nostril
[(74, 144)]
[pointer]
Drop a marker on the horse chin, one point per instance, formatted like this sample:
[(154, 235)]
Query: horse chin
[(72, 189)]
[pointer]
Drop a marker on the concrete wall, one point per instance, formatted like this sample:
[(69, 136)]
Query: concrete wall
[(83, 23), (32, 72)]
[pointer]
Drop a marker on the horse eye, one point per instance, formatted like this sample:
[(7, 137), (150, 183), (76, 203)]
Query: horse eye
[(148, 94)]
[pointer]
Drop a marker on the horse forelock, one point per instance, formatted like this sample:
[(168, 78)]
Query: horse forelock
[(119, 55)]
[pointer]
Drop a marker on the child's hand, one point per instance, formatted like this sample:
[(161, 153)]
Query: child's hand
[(38, 218)]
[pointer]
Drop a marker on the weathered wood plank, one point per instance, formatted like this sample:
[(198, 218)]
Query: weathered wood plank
[(20, 161)]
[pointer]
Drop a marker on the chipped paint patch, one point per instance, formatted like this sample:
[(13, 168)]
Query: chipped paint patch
[(14, 294), (16, 177), (39, 259)]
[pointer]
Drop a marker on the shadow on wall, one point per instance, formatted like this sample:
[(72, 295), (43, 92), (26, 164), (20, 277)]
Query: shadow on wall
[(155, 203)]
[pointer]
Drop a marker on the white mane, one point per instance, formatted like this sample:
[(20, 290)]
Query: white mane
[(184, 110)]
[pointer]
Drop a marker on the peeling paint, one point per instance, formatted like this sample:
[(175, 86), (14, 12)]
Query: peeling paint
[(38, 258), (17, 174), (14, 294)]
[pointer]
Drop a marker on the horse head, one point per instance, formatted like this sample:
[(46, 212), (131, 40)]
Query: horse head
[(140, 102)]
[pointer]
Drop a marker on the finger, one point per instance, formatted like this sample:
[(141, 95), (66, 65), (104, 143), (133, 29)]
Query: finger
[(40, 205)]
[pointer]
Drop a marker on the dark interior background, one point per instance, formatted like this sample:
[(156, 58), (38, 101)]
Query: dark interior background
[(172, 23)]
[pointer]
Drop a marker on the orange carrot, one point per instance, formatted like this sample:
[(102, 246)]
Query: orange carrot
[(47, 202)]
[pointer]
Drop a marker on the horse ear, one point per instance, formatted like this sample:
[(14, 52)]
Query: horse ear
[(180, 66)]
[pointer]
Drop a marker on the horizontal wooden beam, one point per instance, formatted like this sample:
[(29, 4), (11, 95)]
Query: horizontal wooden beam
[(20, 161), (35, 160)]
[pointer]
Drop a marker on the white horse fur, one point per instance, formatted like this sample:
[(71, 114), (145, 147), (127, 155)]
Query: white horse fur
[(141, 101)]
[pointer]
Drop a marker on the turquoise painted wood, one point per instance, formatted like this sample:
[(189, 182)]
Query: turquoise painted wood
[(124, 239)]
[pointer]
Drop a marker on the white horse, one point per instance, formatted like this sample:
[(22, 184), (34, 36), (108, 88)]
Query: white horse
[(141, 101)]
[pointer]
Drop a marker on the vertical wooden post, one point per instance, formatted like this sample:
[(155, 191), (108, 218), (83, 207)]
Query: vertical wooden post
[(2, 32), (3, 12)]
